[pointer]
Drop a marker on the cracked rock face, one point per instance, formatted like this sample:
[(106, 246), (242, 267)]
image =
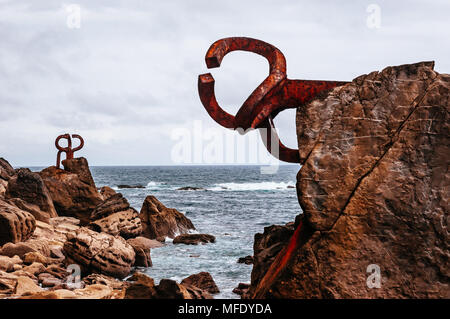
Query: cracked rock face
[(15, 224), (99, 253), (374, 188), (115, 216), (71, 195), (159, 222)]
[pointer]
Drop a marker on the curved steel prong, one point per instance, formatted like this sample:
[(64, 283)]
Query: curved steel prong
[(283, 153), (213, 58), (79, 147), (208, 98)]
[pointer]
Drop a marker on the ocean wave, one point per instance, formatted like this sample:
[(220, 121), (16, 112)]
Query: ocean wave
[(261, 186)]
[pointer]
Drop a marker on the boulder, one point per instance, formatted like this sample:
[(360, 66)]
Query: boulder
[(6, 170), (130, 186), (115, 216), (158, 221), (99, 252), (241, 289), (80, 167), (71, 196), (203, 280), (33, 209), (194, 239), (15, 224), (374, 191), (141, 287), (7, 263), (170, 289), (248, 260), (29, 187), (106, 192), (26, 285), (141, 246), (21, 248)]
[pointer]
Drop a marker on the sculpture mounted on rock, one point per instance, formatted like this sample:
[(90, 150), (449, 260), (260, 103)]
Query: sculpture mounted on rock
[(68, 149), (373, 186)]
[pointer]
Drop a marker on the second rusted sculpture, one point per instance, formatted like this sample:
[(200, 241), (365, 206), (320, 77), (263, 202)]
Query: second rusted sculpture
[(275, 94), (68, 149)]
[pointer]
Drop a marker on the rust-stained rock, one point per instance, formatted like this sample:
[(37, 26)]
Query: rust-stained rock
[(29, 187), (99, 252), (374, 190), (159, 222), (15, 224), (71, 196)]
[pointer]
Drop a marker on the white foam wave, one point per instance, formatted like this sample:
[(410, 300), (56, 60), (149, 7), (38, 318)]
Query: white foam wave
[(252, 186)]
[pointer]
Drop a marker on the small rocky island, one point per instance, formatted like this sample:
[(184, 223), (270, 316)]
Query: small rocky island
[(61, 237)]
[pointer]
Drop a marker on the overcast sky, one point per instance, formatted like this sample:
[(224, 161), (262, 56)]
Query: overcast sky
[(127, 77)]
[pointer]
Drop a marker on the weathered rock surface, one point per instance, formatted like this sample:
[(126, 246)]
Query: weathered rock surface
[(71, 196), (115, 216), (141, 287), (374, 189), (159, 222), (194, 239), (21, 248), (15, 224), (29, 187), (106, 192), (141, 246), (99, 252), (80, 167), (31, 208), (203, 280), (241, 289), (248, 260), (6, 170), (170, 289)]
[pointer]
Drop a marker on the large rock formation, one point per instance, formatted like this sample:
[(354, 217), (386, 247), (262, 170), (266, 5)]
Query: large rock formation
[(15, 225), (374, 190), (99, 252), (159, 222), (115, 216), (80, 167), (71, 195), (29, 187), (6, 170)]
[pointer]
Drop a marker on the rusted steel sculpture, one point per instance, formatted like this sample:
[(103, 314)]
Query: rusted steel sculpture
[(68, 149), (275, 94)]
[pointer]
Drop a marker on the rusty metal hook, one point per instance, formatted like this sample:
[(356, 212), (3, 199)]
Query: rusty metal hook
[(275, 94), (68, 149)]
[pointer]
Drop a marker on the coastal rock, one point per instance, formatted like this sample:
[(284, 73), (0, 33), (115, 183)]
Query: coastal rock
[(71, 196), (190, 188), (170, 289), (29, 187), (15, 225), (80, 167), (202, 280), (194, 239), (106, 192), (374, 191), (31, 208), (266, 247), (99, 252), (26, 285), (130, 186), (7, 263), (6, 170), (115, 217), (141, 246), (241, 289), (21, 248), (158, 221), (141, 287), (248, 260)]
